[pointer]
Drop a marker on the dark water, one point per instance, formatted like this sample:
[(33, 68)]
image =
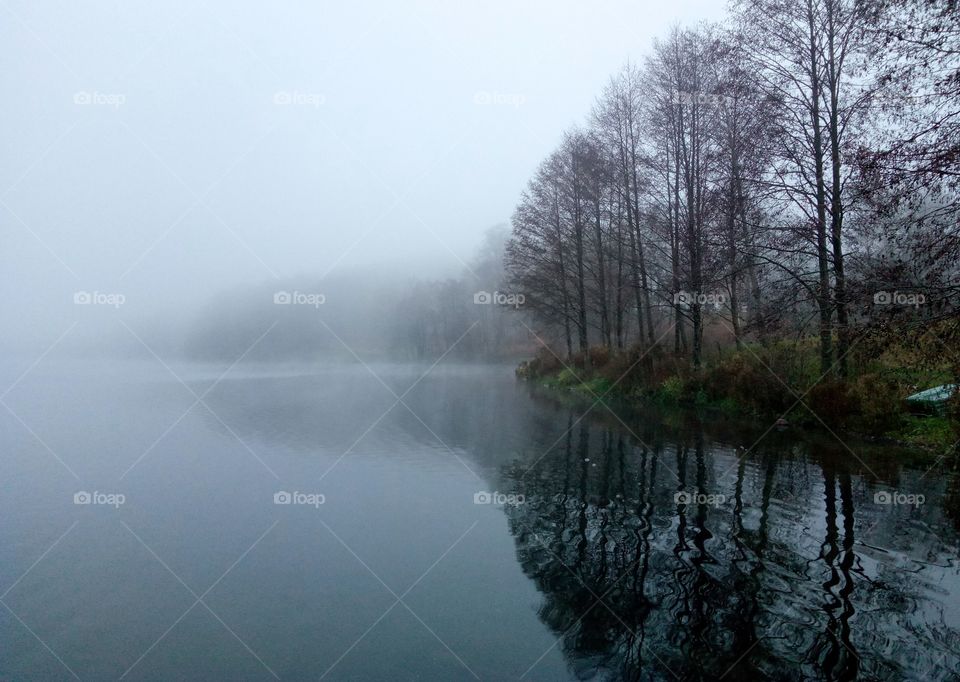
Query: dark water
[(646, 546)]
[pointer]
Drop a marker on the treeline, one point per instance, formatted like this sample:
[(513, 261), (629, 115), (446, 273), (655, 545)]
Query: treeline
[(790, 172), (367, 313), (459, 316)]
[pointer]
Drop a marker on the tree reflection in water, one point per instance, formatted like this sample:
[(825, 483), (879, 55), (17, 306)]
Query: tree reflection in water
[(795, 573)]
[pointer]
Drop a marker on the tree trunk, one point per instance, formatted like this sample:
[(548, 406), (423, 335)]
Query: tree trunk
[(601, 272), (836, 198), (643, 263), (562, 273), (823, 292), (579, 250)]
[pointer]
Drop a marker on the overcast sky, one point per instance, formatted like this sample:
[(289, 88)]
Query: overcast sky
[(172, 150)]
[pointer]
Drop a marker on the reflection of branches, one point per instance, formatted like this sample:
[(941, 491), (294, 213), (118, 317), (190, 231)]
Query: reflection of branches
[(702, 590)]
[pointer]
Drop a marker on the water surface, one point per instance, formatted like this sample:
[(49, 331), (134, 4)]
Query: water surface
[(647, 546)]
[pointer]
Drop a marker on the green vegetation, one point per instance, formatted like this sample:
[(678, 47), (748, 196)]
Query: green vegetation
[(930, 431), (566, 379), (773, 380)]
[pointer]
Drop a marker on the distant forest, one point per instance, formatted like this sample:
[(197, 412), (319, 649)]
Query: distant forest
[(370, 315)]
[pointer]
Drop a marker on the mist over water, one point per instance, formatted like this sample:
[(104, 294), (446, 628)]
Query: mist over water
[(259, 415)]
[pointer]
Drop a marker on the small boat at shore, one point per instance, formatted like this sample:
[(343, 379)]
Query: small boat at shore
[(933, 398)]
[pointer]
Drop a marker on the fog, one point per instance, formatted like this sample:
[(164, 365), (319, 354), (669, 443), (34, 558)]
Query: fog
[(179, 154), (484, 340)]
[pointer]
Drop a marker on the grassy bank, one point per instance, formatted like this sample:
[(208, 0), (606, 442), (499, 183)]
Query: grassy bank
[(768, 381)]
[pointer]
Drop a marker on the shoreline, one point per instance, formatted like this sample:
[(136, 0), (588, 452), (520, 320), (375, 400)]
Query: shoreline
[(932, 433)]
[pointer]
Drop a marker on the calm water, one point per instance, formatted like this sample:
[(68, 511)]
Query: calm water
[(645, 547)]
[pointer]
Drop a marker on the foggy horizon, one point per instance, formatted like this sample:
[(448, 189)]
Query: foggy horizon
[(174, 153)]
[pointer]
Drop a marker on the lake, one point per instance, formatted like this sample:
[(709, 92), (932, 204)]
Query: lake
[(403, 522)]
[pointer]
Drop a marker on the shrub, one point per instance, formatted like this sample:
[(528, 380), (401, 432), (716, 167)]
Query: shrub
[(671, 389), (523, 370), (625, 369), (832, 401), (545, 363), (744, 380), (877, 400), (599, 356)]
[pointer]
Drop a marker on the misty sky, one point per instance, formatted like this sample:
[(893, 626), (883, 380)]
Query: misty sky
[(172, 150)]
